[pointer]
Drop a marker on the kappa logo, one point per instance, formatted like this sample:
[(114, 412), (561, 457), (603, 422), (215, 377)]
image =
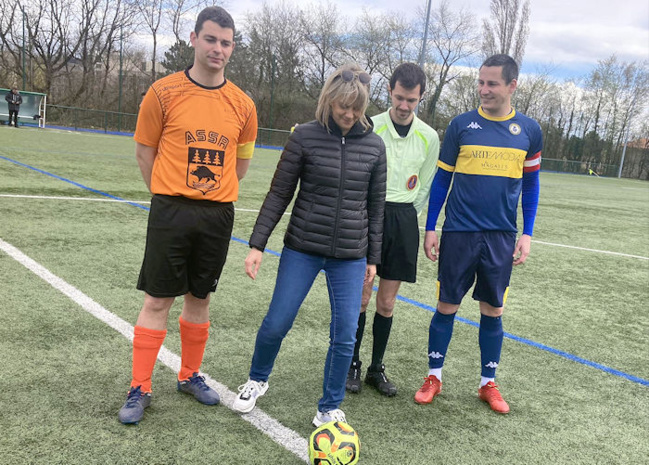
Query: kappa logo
[(492, 365), (474, 125), (435, 355)]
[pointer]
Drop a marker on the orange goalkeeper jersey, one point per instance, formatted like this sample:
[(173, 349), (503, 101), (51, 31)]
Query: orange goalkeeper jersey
[(199, 133)]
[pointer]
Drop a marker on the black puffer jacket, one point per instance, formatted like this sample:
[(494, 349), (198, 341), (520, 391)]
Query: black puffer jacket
[(338, 212)]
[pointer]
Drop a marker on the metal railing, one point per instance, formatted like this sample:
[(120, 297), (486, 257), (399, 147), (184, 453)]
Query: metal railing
[(578, 167), (98, 120), (115, 122), (275, 138), (124, 123)]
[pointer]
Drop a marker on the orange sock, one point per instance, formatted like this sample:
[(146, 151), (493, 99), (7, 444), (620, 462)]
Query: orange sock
[(146, 345), (193, 337)]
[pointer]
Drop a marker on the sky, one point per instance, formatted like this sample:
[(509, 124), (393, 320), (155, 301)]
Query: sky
[(567, 37)]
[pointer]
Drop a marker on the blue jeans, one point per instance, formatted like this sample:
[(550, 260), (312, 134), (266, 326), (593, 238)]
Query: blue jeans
[(295, 276)]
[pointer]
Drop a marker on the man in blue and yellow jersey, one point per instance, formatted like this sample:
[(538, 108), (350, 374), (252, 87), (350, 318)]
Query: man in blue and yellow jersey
[(491, 154), (195, 137), (412, 148)]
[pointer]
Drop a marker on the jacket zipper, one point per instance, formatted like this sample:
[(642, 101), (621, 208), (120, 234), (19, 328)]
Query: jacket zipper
[(340, 196)]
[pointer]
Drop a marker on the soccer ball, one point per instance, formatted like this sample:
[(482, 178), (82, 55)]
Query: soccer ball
[(334, 443)]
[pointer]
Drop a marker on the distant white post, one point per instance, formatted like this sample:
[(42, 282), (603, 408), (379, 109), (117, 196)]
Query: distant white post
[(626, 139), (422, 54)]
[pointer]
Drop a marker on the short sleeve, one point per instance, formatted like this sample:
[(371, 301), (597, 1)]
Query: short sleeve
[(149, 120)]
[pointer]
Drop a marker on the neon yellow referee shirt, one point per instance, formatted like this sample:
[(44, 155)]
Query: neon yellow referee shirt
[(412, 160)]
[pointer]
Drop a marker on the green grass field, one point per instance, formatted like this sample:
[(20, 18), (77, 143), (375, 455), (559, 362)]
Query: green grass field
[(574, 364)]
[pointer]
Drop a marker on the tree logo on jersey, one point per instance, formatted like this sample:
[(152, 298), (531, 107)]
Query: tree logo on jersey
[(412, 182), (204, 169), (515, 129)]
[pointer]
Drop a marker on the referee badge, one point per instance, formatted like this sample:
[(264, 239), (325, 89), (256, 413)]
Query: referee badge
[(412, 182), (515, 129)]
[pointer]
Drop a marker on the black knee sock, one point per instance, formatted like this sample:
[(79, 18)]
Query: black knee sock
[(381, 332), (359, 337)]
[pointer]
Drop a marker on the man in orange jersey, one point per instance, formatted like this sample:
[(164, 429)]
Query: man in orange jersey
[(195, 137)]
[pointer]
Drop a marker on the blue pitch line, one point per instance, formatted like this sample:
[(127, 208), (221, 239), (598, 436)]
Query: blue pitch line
[(566, 355), (75, 183), (241, 241), (529, 342)]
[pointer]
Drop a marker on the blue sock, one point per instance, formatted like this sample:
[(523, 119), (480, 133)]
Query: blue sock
[(490, 337), (439, 336)]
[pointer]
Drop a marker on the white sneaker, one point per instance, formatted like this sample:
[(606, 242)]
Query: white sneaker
[(248, 393), (325, 417)]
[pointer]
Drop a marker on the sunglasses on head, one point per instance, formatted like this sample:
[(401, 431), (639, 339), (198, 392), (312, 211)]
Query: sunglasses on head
[(348, 76)]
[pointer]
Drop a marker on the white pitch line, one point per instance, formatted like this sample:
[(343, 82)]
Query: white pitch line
[(99, 199), (279, 433), (584, 249), (619, 254), (88, 199)]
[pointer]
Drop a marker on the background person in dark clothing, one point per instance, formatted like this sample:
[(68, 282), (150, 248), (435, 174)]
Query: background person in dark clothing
[(14, 99)]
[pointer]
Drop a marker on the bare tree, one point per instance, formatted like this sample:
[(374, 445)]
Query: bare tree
[(323, 44), (507, 29), (278, 51), (49, 29), (453, 41), (368, 44), (151, 14), (615, 92), (459, 96), (403, 41), (180, 14), (11, 40), (69, 46), (99, 34), (531, 94)]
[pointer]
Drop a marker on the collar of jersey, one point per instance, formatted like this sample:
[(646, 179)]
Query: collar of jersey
[(201, 85), (497, 118)]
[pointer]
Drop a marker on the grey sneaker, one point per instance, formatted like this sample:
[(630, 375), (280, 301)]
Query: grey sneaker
[(196, 387), (353, 383), (248, 394), (325, 417), (133, 409)]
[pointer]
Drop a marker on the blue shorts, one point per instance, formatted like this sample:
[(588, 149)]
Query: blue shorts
[(484, 257)]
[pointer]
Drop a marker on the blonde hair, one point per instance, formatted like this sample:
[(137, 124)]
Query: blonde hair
[(352, 93)]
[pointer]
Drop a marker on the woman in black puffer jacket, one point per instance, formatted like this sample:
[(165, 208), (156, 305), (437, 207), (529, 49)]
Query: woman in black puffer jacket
[(336, 225)]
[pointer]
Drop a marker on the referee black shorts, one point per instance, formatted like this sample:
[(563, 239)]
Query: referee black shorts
[(400, 243), (186, 246)]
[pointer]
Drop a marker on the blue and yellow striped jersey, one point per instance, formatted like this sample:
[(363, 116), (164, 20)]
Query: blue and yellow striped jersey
[(488, 157)]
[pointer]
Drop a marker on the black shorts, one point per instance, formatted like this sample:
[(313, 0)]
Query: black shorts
[(186, 246), (400, 243), (485, 258)]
